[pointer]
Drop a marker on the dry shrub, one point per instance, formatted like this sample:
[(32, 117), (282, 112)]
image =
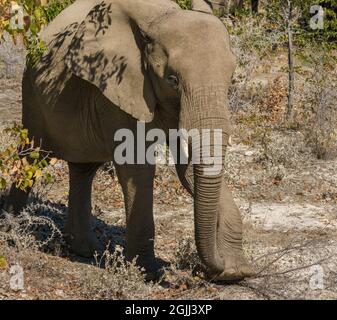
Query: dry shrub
[(186, 256), (29, 230), (283, 148), (118, 279), (251, 43), (272, 104), (316, 114), (290, 270), (22, 238), (255, 125)]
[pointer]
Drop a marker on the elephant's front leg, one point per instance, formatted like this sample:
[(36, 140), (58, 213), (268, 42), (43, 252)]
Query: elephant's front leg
[(137, 185), (78, 229)]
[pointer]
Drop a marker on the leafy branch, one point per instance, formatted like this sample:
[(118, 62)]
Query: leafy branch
[(24, 163)]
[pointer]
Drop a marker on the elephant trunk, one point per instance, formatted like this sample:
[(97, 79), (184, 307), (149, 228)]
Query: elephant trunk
[(206, 109)]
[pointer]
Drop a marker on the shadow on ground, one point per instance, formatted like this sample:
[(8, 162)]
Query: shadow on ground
[(110, 236)]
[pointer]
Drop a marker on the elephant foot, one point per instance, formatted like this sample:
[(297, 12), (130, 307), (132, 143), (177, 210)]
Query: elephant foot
[(236, 269), (154, 275), (84, 245), (151, 268)]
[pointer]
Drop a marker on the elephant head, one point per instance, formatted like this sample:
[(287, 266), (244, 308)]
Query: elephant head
[(191, 63), (151, 57)]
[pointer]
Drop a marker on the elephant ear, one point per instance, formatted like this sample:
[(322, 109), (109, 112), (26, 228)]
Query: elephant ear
[(107, 52), (50, 73), (202, 6)]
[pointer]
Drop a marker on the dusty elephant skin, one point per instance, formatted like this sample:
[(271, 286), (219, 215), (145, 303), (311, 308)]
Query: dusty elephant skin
[(110, 63)]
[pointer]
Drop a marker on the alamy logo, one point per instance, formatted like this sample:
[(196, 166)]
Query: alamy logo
[(16, 281), (317, 278), (17, 17), (195, 146), (317, 20)]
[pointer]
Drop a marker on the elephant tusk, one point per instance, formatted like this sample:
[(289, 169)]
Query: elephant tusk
[(184, 147), (230, 141)]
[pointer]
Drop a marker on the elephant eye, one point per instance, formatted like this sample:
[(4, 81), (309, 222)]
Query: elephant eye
[(173, 81)]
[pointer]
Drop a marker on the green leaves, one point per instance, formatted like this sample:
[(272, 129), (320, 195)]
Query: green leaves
[(304, 35), (24, 163), (184, 4), (54, 8), (35, 154), (37, 13), (3, 184), (3, 263)]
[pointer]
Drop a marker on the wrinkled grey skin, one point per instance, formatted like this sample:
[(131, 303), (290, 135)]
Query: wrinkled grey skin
[(109, 64)]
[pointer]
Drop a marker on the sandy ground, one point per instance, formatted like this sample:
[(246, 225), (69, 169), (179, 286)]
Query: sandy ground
[(289, 233)]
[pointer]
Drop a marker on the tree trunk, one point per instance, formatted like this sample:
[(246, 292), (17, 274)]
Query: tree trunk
[(291, 73), (255, 6)]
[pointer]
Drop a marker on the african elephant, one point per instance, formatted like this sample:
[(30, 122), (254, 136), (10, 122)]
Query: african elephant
[(110, 64)]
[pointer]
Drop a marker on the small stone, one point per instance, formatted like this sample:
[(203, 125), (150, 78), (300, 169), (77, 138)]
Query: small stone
[(59, 292), (249, 153)]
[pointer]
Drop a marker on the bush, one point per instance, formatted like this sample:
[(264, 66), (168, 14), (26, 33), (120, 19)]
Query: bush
[(303, 33), (36, 16), (186, 256), (29, 231), (329, 33), (119, 279), (23, 163), (184, 4), (317, 111)]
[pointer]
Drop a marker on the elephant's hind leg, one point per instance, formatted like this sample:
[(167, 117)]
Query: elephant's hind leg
[(78, 230), (16, 200)]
